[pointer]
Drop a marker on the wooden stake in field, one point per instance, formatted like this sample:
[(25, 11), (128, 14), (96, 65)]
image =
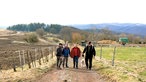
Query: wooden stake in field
[(1, 68), (35, 56), (20, 59), (101, 52), (46, 54), (39, 56), (23, 57), (31, 57), (42, 55), (14, 66), (28, 59), (114, 52), (52, 51)]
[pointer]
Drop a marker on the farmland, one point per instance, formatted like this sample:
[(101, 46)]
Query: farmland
[(9, 54), (130, 64), (34, 58), (18, 58)]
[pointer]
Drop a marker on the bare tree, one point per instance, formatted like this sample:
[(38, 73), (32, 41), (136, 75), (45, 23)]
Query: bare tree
[(76, 37)]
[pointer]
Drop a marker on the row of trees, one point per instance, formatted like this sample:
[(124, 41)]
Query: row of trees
[(53, 28)]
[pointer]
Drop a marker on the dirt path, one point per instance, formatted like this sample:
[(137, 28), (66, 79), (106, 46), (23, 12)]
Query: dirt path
[(71, 75)]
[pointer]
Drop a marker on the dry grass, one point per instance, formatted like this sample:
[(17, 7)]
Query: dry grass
[(26, 75), (4, 32)]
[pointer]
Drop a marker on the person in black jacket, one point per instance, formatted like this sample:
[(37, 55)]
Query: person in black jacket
[(59, 55), (90, 52)]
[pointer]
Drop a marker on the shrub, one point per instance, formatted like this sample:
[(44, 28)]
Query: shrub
[(40, 32), (31, 38)]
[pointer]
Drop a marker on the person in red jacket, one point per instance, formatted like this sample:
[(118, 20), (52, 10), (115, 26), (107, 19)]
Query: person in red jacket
[(75, 54)]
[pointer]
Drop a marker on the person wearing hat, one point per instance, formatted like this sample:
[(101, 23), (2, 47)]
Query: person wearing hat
[(59, 55), (90, 52)]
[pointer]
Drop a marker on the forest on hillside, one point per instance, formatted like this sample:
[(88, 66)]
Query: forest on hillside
[(53, 28), (72, 34)]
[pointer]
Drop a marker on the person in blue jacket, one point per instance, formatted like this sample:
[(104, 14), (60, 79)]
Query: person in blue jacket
[(66, 53)]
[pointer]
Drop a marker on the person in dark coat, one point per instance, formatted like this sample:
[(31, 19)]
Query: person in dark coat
[(59, 55), (75, 54), (66, 53), (90, 52)]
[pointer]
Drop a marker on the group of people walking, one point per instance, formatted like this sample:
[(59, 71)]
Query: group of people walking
[(63, 53)]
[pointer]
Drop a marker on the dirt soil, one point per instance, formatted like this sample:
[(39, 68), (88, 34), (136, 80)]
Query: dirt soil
[(71, 75)]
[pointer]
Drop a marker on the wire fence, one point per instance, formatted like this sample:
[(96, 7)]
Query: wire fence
[(12, 58)]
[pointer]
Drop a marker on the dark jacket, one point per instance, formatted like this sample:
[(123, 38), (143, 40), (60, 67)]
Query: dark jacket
[(89, 52), (59, 51), (66, 51)]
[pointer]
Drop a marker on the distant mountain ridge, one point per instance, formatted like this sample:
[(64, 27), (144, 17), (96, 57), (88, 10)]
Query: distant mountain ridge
[(131, 28)]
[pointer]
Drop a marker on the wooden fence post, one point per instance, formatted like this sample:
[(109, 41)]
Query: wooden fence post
[(23, 57), (1, 68), (101, 52), (48, 54), (42, 53), (14, 66), (113, 59), (20, 59), (31, 59), (35, 56), (40, 58), (29, 65), (52, 52)]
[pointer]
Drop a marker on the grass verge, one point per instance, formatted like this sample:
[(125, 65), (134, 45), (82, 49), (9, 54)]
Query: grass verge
[(130, 64)]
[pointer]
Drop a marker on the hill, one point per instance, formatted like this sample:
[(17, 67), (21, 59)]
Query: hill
[(89, 32), (73, 34), (130, 28), (66, 33)]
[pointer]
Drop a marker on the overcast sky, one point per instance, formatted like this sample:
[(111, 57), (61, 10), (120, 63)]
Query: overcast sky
[(72, 11)]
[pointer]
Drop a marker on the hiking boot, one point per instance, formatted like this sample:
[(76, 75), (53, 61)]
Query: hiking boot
[(59, 68)]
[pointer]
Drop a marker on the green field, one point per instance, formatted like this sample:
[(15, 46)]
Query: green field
[(130, 64)]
